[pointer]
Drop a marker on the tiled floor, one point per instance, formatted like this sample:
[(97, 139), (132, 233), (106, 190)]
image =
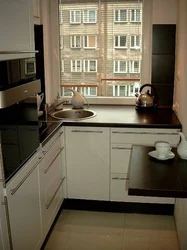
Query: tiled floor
[(85, 230)]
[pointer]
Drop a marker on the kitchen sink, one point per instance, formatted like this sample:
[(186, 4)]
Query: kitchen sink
[(73, 114)]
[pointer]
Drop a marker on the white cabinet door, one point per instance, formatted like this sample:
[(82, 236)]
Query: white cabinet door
[(16, 27), (24, 208), (87, 162)]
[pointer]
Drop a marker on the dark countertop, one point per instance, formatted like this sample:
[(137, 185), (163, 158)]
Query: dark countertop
[(152, 177), (125, 116)]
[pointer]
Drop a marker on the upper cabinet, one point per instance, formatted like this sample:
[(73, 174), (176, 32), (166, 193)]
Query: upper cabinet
[(36, 11), (16, 29)]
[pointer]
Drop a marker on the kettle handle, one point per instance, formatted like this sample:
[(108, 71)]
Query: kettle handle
[(154, 91)]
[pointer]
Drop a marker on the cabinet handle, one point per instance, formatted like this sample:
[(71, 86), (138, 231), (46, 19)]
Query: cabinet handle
[(45, 152), (120, 178), (13, 191), (88, 131), (18, 52), (47, 169), (120, 148), (144, 133), (49, 204)]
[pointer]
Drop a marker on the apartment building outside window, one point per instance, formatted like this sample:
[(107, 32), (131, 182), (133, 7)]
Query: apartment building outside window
[(102, 53)]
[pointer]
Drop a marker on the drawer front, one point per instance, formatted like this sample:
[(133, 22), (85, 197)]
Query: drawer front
[(119, 192), (117, 187), (120, 156), (58, 134), (144, 136), (52, 154)]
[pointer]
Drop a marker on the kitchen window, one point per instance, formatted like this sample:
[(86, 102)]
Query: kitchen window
[(75, 41), (75, 16), (76, 66), (89, 16), (90, 65), (135, 42), (120, 66), (110, 51), (120, 16), (120, 42), (90, 41)]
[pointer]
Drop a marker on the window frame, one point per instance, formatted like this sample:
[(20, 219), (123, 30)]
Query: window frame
[(136, 16), (76, 66), (135, 42), (87, 36), (118, 67), (74, 37), (74, 16), (87, 17), (62, 66), (84, 67), (118, 41), (119, 15), (131, 66)]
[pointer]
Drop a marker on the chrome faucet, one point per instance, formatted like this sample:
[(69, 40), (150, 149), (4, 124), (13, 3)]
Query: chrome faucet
[(62, 102)]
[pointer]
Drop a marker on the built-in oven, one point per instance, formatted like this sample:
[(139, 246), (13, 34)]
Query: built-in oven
[(18, 80), (19, 131)]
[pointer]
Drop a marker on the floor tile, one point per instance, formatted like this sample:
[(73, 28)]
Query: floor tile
[(81, 241), (97, 223), (57, 241)]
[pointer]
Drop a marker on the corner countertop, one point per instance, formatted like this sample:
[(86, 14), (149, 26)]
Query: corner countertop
[(152, 177), (125, 116)]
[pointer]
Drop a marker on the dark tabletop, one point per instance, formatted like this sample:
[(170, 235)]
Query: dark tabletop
[(152, 177)]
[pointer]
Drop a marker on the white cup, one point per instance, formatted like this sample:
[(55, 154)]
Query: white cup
[(162, 148)]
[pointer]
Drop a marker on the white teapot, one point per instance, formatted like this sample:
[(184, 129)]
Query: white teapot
[(182, 147), (77, 100)]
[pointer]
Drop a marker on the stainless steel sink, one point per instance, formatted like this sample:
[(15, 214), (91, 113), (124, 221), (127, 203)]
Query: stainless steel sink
[(73, 114)]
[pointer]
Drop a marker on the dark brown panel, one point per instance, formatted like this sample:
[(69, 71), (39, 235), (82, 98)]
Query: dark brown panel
[(165, 94), (163, 39), (151, 177), (163, 68)]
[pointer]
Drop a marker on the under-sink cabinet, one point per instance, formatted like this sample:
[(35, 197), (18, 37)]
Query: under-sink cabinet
[(87, 162), (122, 140)]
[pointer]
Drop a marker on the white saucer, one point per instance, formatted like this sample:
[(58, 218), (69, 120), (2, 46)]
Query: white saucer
[(40, 113), (155, 155)]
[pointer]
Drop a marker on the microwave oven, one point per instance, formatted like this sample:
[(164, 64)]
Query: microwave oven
[(18, 81)]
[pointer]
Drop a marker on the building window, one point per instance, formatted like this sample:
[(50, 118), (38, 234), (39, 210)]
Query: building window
[(135, 15), (89, 16), (134, 66), (120, 66), (62, 66), (90, 65), (120, 42), (90, 42), (60, 17), (135, 42), (75, 41), (76, 66), (61, 42), (120, 16), (75, 16), (126, 90)]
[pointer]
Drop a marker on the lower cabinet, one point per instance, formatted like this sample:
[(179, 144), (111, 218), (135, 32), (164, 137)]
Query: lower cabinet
[(122, 140), (24, 207), (87, 162)]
